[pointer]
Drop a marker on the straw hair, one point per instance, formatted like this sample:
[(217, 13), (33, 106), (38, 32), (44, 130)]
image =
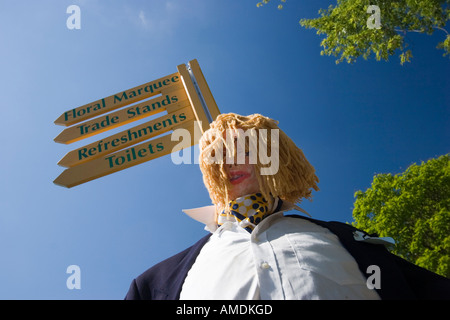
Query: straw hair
[(292, 182)]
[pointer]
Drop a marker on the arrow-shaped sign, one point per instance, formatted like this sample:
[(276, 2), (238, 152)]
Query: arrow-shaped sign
[(127, 138), (117, 100), (123, 159), (177, 99)]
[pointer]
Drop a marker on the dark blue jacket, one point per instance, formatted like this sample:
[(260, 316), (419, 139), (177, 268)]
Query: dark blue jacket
[(400, 279)]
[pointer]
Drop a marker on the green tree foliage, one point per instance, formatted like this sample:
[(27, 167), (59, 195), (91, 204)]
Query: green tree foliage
[(412, 207), (348, 36)]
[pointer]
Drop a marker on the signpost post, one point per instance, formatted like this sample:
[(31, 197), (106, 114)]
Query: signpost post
[(184, 95)]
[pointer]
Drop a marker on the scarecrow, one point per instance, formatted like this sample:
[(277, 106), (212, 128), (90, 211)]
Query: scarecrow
[(257, 248)]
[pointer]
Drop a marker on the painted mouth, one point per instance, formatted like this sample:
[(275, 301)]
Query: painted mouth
[(238, 176)]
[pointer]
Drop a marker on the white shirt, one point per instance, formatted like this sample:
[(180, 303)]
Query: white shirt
[(283, 258)]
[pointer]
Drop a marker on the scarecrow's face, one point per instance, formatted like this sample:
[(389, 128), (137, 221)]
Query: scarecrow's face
[(242, 178)]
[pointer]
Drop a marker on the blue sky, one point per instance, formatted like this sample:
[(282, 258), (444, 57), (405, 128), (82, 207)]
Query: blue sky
[(352, 121)]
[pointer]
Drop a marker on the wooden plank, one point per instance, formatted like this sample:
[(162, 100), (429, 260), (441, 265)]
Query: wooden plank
[(193, 97), (117, 100), (204, 88), (121, 160), (126, 138), (124, 116)]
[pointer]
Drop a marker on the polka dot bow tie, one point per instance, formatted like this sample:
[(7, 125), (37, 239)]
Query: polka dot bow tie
[(248, 211)]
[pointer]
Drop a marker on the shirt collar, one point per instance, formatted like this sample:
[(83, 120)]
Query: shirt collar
[(207, 214)]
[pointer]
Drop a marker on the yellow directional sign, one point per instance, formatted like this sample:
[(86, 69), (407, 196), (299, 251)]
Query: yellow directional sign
[(117, 100), (184, 95), (123, 116), (121, 160), (128, 137)]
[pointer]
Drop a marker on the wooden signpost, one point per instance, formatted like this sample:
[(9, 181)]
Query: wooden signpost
[(184, 95)]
